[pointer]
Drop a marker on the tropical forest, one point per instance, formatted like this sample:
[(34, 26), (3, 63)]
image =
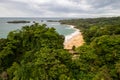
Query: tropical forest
[(36, 52)]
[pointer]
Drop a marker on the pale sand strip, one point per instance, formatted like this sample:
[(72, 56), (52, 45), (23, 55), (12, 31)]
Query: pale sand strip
[(75, 40)]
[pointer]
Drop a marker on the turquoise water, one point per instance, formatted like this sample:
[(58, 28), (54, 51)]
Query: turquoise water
[(5, 27)]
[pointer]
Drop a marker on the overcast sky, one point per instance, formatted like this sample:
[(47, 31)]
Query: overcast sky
[(59, 8)]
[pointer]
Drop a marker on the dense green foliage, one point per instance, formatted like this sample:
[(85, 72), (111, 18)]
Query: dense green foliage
[(36, 52), (100, 56)]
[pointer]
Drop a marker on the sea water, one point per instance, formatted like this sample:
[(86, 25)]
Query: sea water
[(5, 27)]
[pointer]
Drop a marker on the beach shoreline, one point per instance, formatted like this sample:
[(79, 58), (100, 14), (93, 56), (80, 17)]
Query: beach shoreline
[(74, 39)]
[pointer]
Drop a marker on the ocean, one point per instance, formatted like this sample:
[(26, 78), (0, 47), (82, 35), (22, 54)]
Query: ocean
[(5, 27)]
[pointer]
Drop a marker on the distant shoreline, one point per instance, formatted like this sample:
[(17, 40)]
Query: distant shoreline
[(74, 39)]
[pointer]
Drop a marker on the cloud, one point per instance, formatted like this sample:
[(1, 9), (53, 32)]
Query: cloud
[(59, 8)]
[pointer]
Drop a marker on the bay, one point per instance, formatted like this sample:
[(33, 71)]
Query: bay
[(5, 27)]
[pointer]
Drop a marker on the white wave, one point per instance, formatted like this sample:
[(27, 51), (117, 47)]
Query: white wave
[(72, 26), (68, 37)]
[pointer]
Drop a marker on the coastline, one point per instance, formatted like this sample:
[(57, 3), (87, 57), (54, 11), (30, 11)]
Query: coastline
[(74, 39)]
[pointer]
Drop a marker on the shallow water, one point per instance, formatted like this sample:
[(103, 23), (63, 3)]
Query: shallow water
[(5, 27)]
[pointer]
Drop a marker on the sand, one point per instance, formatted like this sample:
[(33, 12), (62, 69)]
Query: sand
[(74, 39)]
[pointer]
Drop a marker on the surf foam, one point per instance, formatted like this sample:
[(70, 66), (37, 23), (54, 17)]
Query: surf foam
[(68, 37)]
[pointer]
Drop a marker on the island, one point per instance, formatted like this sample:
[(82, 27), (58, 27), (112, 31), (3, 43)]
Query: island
[(15, 22), (52, 21)]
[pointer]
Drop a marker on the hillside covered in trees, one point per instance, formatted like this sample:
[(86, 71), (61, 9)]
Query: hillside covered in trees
[(36, 52), (100, 55)]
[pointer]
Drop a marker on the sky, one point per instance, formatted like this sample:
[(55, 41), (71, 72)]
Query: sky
[(59, 8)]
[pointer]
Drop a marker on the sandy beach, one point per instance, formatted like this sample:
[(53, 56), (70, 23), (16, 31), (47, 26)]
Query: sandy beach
[(74, 39)]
